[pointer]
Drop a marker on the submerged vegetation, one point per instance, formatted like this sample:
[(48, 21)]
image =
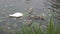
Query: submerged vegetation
[(50, 29)]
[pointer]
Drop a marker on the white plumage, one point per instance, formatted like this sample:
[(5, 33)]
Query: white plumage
[(17, 14)]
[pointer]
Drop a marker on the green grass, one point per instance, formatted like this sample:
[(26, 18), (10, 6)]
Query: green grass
[(31, 30), (51, 29)]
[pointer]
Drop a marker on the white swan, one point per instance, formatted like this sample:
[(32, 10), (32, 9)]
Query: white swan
[(17, 14)]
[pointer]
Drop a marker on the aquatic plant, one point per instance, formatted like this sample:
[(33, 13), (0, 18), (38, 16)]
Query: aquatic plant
[(51, 29)]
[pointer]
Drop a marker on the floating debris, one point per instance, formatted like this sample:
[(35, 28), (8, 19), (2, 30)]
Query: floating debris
[(16, 15)]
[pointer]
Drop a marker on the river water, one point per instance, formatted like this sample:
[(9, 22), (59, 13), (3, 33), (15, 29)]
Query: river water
[(11, 6)]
